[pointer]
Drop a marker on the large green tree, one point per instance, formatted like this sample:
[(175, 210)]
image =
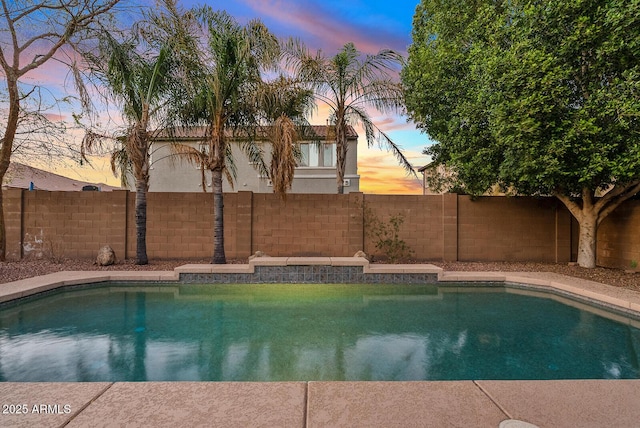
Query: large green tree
[(31, 34), (349, 83), (538, 97), (140, 84)]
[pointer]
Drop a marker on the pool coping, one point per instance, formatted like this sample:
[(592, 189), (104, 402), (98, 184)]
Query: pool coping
[(315, 404), (628, 300)]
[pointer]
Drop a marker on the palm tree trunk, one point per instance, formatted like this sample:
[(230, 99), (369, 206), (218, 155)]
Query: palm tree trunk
[(218, 219), (341, 153), (141, 222), (140, 155)]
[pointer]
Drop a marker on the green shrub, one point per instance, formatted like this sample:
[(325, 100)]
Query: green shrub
[(386, 235)]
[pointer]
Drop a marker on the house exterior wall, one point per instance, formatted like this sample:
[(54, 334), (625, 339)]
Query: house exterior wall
[(170, 174)]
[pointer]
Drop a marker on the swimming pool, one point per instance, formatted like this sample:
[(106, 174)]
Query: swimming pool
[(269, 332)]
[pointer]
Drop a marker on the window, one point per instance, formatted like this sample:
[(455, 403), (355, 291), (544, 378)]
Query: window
[(202, 148), (304, 150), (329, 155), (312, 156)]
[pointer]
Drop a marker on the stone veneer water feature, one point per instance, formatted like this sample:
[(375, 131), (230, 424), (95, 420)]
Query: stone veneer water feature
[(309, 270)]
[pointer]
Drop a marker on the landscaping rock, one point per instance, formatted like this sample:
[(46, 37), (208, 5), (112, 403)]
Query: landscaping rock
[(106, 256), (360, 254), (257, 254)]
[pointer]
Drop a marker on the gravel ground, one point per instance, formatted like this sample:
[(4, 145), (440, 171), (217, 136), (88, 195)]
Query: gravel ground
[(13, 271)]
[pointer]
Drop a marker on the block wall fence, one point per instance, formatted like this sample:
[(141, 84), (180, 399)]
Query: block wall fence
[(446, 227)]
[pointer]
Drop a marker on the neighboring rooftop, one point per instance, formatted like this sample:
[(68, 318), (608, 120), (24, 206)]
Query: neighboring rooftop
[(198, 132), (21, 176)]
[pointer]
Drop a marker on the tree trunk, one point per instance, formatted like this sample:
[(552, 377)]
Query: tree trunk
[(591, 212), (141, 222), (341, 153), (587, 239), (218, 219), (3, 236), (6, 149), (138, 147)]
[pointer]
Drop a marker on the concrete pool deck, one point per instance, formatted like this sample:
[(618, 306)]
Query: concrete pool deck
[(483, 403)]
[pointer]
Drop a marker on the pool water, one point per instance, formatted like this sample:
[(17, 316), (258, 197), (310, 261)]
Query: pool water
[(267, 332)]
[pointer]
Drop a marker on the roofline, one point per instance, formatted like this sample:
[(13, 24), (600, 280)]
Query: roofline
[(352, 135)]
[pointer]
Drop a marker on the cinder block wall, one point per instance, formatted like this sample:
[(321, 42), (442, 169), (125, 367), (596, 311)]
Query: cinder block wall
[(12, 204), (619, 237), (180, 225), (302, 224), (422, 228), (513, 229), (443, 227), (69, 224)]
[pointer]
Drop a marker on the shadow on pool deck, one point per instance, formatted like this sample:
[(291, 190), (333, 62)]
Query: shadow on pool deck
[(559, 403)]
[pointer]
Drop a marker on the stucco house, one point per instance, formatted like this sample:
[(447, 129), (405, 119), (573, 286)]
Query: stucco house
[(315, 174), (428, 172)]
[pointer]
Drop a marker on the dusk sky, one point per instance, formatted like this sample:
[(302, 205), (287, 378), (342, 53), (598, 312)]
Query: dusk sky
[(328, 24)]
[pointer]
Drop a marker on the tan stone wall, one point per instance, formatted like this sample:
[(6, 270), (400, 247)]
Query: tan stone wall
[(513, 229), (301, 225), (619, 237), (179, 225), (71, 224), (422, 228), (12, 202)]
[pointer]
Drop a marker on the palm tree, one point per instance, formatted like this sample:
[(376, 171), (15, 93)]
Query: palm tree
[(281, 110), (348, 84), (284, 107), (139, 84), (222, 79)]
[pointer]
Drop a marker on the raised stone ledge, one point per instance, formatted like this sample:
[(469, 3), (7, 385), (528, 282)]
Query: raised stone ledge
[(200, 268), (307, 261), (309, 270)]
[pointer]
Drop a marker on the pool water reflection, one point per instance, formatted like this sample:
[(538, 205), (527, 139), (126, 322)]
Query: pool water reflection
[(267, 332)]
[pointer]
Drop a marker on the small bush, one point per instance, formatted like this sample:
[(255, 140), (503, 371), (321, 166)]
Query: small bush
[(387, 235)]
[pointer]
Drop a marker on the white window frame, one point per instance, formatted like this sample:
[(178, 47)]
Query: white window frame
[(315, 156)]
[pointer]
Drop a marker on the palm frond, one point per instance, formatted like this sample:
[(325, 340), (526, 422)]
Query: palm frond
[(186, 153), (230, 170), (374, 134), (383, 95), (347, 83), (121, 164), (255, 154), (283, 154)]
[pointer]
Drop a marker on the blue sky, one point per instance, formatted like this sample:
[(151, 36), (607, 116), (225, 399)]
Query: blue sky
[(328, 25)]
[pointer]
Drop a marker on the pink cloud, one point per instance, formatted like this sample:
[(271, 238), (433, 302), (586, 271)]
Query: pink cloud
[(53, 117), (53, 72), (393, 123), (328, 30)]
